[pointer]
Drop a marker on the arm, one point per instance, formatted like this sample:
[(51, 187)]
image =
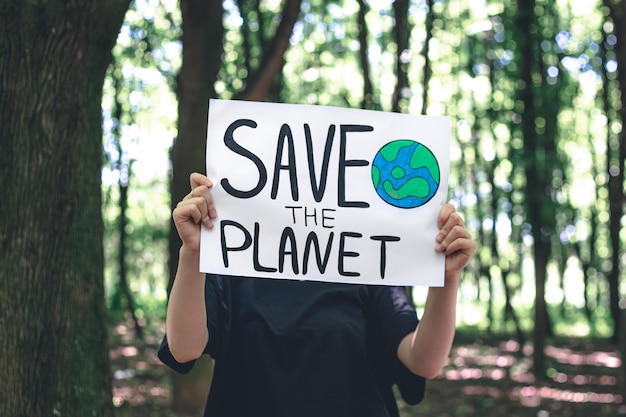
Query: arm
[(186, 323), (426, 351)]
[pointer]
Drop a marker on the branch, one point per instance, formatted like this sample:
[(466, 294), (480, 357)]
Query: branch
[(261, 83)]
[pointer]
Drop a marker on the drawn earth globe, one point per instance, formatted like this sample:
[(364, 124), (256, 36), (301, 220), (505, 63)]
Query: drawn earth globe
[(405, 173)]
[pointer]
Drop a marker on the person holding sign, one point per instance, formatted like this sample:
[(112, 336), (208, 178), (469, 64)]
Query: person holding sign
[(286, 347)]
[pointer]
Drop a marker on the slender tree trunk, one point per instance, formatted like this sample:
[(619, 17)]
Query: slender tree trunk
[(125, 169), (402, 34), (510, 311), (615, 161), (124, 185), (541, 316), (53, 59), (202, 36), (535, 189), (547, 161), (244, 5), (616, 154), (368, 101), (202, 48), (427, 71)]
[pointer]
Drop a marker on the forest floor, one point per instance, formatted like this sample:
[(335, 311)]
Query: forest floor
[(485, 377)]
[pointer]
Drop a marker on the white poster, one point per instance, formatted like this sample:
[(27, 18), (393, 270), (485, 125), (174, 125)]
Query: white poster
[(327, 194)]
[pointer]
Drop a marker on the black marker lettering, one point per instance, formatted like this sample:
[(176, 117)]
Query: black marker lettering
[(285, 133), (343, 163), (311, 239), (325, 217), (343, 253), (225, 249), (318, 188), (293, 212), (383, 251), (308, 215), (255, 254), (231, 144), (288, 234)]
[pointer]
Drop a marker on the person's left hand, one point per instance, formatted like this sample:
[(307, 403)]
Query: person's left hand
[(454, 241)]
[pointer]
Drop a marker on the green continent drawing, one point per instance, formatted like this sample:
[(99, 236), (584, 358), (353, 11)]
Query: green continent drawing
[(405, 173)]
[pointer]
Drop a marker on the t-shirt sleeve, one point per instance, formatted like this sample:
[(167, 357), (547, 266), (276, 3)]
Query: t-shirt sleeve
[(395, 319), (215, 308)]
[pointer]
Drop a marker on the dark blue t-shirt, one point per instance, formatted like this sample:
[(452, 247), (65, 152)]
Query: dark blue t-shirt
[(286, 348)]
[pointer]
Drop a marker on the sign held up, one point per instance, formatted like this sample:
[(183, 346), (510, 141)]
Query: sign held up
[(323, 193)]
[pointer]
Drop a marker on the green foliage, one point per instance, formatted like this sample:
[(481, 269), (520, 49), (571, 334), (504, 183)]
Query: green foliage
[(139, 116), (475, 65)]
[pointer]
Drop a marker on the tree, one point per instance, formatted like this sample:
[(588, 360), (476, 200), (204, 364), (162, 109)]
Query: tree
[(538, 159), (430, 17), (52, 325), (136, 211), (616, 156), (261, 83), (615, 167), (368, 100), (402, 35), (202, 34)]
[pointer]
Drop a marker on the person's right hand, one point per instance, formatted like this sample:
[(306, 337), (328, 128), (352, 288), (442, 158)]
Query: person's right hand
[(195, 209)]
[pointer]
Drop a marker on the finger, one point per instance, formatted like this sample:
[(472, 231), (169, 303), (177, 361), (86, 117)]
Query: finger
[(461, 244), (442, 245), (452, 221), (197, 191), (200, 191), (204, 193), (444, 214), (186, 218), (200, 187), (196, 179), (188, 210), (457, 232), (206, 208)]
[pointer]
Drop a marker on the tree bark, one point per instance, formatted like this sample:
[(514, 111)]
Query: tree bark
[(402, 34), (615, 161), (202, 37), (615, 166), (368, 101), (54, 56), (536, 184), (427, 71)]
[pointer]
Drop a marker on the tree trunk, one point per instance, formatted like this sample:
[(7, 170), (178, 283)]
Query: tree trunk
[(122, 289), (202, 48), (53, 339), (615, 161), (534, 162), (541, 312), (616, 168), (427, 71), (510, 311), (402, 35), (124, 185), (368, 101)]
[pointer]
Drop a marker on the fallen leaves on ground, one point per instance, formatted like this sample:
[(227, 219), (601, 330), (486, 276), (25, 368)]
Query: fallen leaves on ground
[(483, 378)]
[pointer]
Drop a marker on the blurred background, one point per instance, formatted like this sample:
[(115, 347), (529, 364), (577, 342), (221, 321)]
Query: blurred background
[(537, 163)]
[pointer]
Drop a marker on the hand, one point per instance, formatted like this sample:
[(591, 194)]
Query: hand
[(454, 241), (195, 209)]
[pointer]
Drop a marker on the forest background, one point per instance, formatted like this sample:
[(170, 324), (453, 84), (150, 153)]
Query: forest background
[(103, 111)]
